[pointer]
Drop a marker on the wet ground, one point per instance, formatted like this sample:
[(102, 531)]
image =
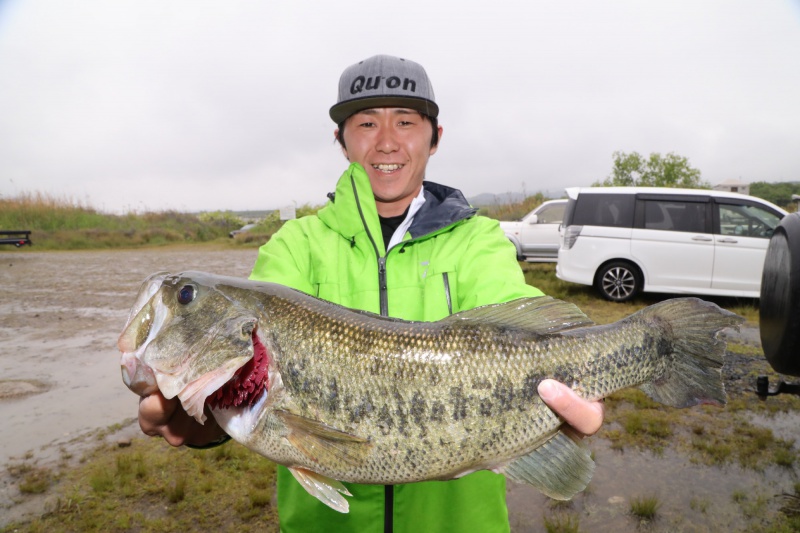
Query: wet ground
[(61, 313), (60, 316)]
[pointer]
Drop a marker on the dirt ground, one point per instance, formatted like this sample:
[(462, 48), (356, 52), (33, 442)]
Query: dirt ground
[(61, 314)]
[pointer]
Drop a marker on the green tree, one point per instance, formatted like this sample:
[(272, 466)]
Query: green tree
[(778, 193), (671, 170)]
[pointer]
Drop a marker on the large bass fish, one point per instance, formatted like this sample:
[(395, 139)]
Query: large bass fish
[(342, 395)]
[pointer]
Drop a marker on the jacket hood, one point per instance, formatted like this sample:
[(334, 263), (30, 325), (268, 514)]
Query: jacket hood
[(351, 210)]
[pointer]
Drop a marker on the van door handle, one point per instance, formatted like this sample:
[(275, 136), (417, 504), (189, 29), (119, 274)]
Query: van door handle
[(701, 238), (728, 240)]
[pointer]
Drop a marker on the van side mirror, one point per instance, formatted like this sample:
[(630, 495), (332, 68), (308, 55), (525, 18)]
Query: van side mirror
[(533, 219)]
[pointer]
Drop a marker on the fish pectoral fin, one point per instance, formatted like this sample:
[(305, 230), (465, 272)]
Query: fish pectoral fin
[(542, 315), (327, 490), (322, 443), (560, 468)]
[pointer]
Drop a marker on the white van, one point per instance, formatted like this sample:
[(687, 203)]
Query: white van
[(624, 240)]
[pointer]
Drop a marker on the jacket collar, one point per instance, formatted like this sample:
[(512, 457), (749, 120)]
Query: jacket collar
[(353, 208), (443, 207)]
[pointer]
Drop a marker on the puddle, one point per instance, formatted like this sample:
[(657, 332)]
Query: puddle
[(60, 316), (784, 426), (692, 497)]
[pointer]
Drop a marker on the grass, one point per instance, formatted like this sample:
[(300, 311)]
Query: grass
[(65, 224), (742, 443), (562, 522), (700, 505), (543, 276), (634, 420), (645, 507), (35, 480), (514, 210), (150, 486), (710, 435)]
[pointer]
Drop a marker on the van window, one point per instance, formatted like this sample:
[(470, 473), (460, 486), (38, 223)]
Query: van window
[(615, 210), (675, 216), (747, 221), (552, 214)]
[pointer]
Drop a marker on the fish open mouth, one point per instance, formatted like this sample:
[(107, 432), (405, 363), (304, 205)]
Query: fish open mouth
[(247, 383)]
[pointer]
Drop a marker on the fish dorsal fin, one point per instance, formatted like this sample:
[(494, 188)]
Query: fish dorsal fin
[(542, 315), (560, 468), (327, 490), (322, 443)]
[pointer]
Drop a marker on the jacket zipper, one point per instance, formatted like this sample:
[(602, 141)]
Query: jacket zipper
[(383, 297), (388, 494), (447, 293), (382, 286)]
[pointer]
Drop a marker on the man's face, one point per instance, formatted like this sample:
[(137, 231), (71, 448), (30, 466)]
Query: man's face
[(393, 144)]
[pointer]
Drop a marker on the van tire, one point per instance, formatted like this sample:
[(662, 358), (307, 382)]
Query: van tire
[(619, 281)]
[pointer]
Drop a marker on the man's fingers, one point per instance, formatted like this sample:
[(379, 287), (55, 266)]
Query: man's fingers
[(166, 418), (585, 416), (154, 412)]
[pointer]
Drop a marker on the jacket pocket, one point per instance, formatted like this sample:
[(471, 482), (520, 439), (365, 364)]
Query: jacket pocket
[(441, 280)]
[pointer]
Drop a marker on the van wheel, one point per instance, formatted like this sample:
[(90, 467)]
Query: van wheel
[(619, 281)]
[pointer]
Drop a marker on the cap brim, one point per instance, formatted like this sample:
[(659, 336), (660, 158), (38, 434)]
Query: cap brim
[(340, 112)]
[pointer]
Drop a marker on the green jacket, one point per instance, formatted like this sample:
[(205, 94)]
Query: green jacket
[(450, 260)]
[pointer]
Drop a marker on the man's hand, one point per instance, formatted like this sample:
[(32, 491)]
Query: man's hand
[(167, 418), (584, 416)]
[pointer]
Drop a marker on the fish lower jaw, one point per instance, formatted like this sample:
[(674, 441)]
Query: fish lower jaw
[(137, 376)]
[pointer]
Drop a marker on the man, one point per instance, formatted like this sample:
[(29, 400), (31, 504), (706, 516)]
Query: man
[(390, 243)]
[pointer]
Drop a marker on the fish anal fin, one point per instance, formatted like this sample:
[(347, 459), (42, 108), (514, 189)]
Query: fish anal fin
[(560, 468), (542, 315), (322, 443), (327, 490)]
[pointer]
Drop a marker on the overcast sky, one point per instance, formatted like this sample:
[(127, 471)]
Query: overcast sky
[(197, 105)]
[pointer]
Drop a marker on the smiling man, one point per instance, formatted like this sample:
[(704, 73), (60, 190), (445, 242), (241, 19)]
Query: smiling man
[(393, 145), (391, 242)]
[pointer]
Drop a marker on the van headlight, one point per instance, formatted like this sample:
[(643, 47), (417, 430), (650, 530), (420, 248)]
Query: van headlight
[(571, 234)]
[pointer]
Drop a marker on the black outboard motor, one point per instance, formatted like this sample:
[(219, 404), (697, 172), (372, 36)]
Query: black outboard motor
[(779, 309)]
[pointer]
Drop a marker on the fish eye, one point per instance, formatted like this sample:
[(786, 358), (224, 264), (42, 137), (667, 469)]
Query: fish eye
[(186, 294)]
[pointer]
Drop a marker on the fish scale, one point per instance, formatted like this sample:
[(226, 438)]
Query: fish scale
[(353, 396)]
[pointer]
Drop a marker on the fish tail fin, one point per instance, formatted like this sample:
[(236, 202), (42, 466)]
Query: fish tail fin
[(694, 357)]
